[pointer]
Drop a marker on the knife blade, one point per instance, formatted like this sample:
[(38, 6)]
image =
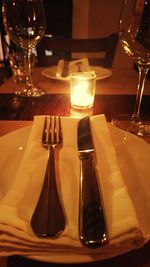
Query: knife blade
[(92, 221)]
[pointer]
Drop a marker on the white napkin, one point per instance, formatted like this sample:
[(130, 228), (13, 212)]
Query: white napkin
[(79, 65), (17, 205)]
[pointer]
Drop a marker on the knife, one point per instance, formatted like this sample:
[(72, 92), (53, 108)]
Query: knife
[(92, 222)]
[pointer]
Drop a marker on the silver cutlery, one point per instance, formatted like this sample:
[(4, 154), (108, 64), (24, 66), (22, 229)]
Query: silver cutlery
[(48, 218), (92, 221)]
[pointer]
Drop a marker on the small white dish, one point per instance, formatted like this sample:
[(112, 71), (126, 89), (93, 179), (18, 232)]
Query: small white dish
[(100, 72)]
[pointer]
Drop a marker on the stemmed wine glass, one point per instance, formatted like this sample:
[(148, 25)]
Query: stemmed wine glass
[(134, 30), (24, 21)]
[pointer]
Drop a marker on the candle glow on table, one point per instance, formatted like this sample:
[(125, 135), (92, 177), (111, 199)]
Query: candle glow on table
[(82, 90)]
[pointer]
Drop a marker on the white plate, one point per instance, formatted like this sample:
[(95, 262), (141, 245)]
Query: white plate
[(133, 156), (101, 73)]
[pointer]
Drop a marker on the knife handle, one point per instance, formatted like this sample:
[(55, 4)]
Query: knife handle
[(92, 224)]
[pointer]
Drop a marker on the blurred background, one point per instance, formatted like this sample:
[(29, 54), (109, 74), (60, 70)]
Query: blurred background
[(77, 19)]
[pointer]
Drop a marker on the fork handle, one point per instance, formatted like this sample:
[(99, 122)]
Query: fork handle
[(48, 218), (56, 218)]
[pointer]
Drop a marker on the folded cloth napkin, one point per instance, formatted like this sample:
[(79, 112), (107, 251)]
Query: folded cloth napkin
[(19, 201), (65, 68)]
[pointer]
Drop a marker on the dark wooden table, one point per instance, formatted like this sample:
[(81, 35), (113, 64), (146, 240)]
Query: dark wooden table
[(13, 107)]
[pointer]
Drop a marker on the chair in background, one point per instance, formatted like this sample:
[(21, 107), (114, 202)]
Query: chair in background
[(64, 48), (58, 16)]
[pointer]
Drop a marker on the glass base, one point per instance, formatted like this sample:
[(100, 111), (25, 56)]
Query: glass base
[(125, 122), (33, 92)]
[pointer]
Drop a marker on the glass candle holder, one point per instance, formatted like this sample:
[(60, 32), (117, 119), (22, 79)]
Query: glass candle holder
[(82, 90)]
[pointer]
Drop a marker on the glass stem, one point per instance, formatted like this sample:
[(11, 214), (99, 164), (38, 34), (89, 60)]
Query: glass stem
[(141, 82), (28, 66)]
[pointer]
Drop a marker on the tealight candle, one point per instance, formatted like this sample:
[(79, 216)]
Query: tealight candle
[(82, 90)]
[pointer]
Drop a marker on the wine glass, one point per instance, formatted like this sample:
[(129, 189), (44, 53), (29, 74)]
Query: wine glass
[(24, 21), (134, 30)]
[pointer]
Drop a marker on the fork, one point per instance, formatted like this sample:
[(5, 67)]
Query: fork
[(48, 218)]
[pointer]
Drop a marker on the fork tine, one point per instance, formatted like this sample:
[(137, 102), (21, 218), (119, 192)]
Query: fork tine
[(55, 129), (50, 130), (60, 131), (44, 131)]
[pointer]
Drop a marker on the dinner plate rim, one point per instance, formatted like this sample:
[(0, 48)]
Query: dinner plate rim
[(107, 74)]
